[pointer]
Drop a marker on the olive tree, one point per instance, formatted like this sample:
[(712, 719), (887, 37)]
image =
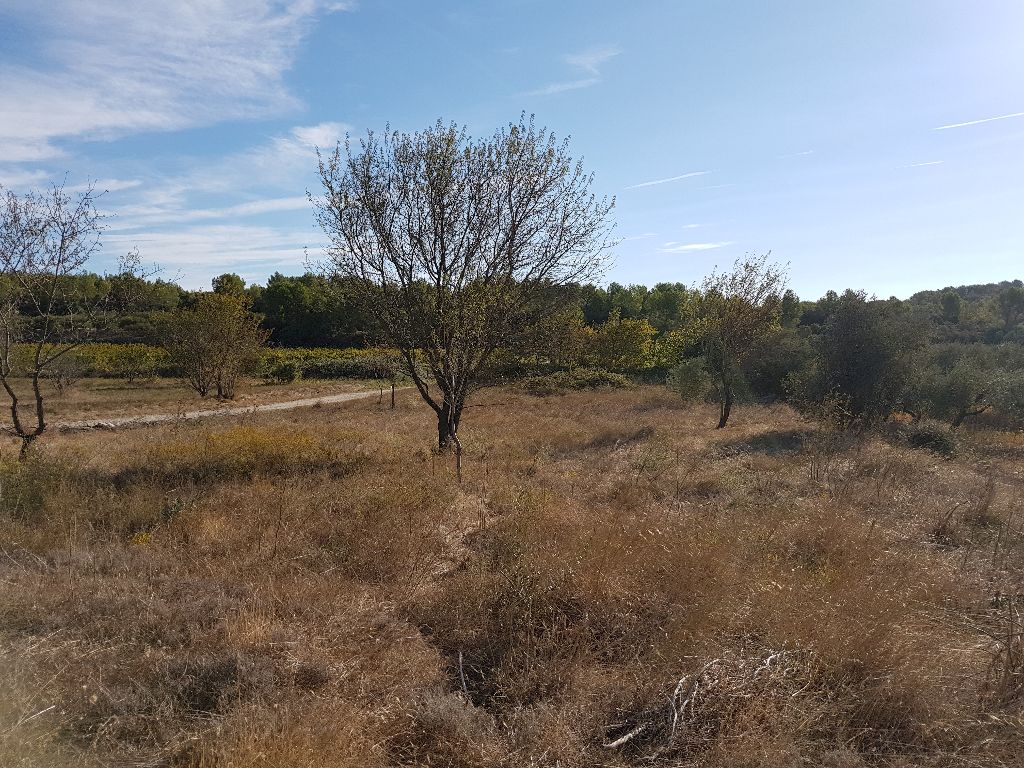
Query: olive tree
[(459, 245), (46, 240), (738, 309), (868, 357)]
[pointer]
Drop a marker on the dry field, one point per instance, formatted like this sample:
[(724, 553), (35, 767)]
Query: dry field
[(614, 583)]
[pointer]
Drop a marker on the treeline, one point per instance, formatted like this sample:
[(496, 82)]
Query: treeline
[(316, 311), (949, 354)]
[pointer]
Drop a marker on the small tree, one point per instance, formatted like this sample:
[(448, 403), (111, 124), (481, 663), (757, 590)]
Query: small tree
[(623, 344), (229, 284), (560, 339), (46, 239), (958, 382), (215, 341), (458, 246), (1010, 303), (867, 357), (738, 309), (950, 306)]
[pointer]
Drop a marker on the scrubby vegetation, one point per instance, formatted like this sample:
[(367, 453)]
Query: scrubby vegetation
[(613, 583), (577, 379)]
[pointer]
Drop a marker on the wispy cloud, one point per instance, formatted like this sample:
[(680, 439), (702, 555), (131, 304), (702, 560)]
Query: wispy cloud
[(669, 179), (17, 178), (978, 122), (156, 216), (194, 255), (587, 63), (797, 154), (569, 85), (644, 236), (922, 165), (281, 164), (591, 60), (673, 247), (103, 72)]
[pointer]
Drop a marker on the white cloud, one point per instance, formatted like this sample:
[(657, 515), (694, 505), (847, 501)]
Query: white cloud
[(978, 122), (107, 71), (673, 247), (197, 254), (588, 63), (323, 135), (669, 179), (590, 60), (101, 186), (798, 154), (16, 178), (283, 164), (644, 236), (922, 165), (147, 217)]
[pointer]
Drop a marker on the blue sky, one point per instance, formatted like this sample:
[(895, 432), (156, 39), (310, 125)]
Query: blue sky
[(875, 145)]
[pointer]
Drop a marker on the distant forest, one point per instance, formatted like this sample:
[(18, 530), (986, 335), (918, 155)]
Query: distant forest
[(315, 311)]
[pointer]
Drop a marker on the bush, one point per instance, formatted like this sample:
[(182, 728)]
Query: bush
[(321, 363), (690, 379), (934, 437), (575, 380), (283, 372)]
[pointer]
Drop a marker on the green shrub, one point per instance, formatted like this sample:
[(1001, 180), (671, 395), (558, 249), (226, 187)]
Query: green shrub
[(577, 379), (283, 372), (334, 363), (690, 379)]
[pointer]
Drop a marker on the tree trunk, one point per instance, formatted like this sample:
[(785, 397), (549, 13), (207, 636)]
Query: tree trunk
[(444, 429), (447, 424), (26, 445), (726, 406)]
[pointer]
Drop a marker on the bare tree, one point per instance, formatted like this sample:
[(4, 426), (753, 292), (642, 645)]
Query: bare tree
[(459, 244), (46, 239), (737, 310)]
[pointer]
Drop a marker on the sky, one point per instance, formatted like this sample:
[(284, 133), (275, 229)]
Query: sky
[(876, 145)]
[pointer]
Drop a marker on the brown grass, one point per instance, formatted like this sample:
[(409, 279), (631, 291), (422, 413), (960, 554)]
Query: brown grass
[(615, 583)]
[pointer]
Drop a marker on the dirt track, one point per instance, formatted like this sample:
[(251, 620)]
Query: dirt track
[(237, 410)]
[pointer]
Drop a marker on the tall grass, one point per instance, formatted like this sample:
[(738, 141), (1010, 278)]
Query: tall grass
[(612, 584)]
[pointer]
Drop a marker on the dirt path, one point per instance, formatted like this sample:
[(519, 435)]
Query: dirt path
[(237, 410)]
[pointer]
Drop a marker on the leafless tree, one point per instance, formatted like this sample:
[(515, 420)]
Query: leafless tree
[(46, 239), (460, 244)]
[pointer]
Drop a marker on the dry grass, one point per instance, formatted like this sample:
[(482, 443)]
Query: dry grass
[(614, 583)]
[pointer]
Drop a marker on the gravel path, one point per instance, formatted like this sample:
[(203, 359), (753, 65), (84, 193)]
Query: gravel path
[(234, 410)]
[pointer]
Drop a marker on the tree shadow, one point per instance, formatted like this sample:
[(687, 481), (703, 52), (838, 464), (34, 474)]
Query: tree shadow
[(778, 442)]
